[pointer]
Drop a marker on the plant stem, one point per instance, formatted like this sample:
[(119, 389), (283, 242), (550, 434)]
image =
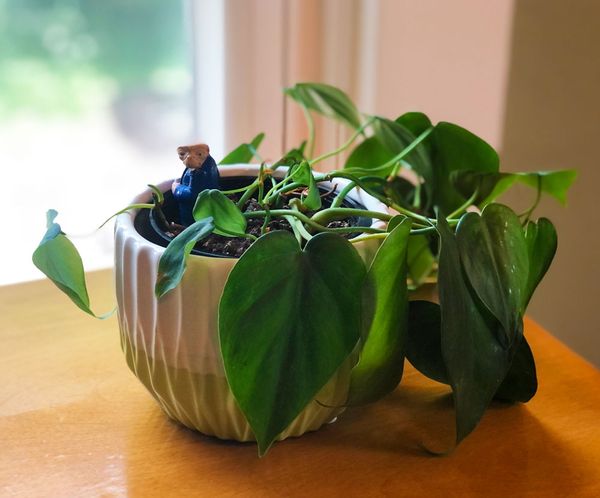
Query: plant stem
[(417, 197), (383, 199), (332, 213), (246, 196), (395, 171), (407, 150), (261, 186), (337, 202), (538, 197), (241, 189), (368, 237), (272, 191), (128, 208), (311, 131), (229, 233), (263, 228), (468, 202), (286, 188), (297, 224), (312, 223), (343, 147)]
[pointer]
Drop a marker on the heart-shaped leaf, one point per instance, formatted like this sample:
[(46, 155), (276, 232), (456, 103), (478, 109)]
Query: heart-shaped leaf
[(284, 335), (243, 153), (453, 149), (555, 183), (424, 340), (494, 255), (395, 138), (490, 186), (227, 218), (171, 266), (415, 122), (381, 363), (326, 100), (302, 173), (475, 360), (542, 242), (59, 260), (520, 383)]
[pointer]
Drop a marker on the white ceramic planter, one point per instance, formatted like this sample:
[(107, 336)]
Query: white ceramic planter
[(172, 345)]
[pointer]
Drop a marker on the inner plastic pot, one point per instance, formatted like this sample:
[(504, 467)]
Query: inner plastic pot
[(147, 226)]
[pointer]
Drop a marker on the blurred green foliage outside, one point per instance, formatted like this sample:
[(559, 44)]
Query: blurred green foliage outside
[(69, 56)]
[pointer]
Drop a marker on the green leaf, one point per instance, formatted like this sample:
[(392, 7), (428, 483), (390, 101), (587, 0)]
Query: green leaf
[(395, 221), (491, 185), (420, 259), (454, 149), (424, 340), (59, 260), (227, 217), (397, 189), (302, 173), (158, 196), (243, 153), (494, 255), (369, 154), (326, 100), (554, 183), (475, 360), (418, 123), (542, 241), (520, 383), (401, 191), (381, 363), (291, 157), (395, 138), (285, 334), (171, 266), (415, 122)]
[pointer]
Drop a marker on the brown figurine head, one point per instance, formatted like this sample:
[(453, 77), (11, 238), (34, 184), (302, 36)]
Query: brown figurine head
[(193, 156)]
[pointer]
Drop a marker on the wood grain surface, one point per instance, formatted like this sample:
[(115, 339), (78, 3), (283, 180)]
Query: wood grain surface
[(75, 422)]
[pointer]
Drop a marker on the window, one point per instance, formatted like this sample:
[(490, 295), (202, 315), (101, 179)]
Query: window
[(94, 98)]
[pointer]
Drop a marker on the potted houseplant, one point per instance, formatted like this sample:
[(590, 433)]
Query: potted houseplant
[(256, 302)]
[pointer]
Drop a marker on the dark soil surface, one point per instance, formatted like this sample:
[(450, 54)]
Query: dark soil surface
[(234, 247)]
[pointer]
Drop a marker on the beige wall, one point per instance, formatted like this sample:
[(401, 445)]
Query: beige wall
[(447, 59), (553, 121)]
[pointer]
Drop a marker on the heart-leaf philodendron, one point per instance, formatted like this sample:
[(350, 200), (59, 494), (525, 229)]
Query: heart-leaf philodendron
[(59, 260), (297, 307), (278, 356)]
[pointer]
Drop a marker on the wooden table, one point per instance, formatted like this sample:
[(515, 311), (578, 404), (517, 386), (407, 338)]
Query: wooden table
[(74, 421)]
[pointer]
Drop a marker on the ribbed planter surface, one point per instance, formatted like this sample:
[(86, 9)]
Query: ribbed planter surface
[(172, 344)]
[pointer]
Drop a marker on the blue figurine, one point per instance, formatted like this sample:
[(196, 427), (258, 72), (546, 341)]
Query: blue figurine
[(200, 173)]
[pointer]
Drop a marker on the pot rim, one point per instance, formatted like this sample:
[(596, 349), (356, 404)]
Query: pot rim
[(125, 221)]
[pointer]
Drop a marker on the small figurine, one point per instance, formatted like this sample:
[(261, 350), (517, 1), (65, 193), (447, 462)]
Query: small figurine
[(201, 173)]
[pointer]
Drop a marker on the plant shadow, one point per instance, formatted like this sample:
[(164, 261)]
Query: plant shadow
[(378, 449)]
